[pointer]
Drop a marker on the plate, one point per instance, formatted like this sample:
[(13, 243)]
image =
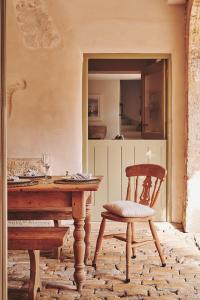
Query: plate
[(79, 177), (32, 177), (19, 181), (73, 180)]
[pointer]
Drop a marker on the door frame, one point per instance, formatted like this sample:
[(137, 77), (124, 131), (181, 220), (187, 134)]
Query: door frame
[(166, 56)]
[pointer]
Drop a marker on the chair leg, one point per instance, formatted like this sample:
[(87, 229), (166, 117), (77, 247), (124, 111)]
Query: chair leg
[(99, 241), (128, 251), (133, 239), (157, 242), (34, 284)]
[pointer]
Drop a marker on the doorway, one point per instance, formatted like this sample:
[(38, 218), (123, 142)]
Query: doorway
[(141, 132)]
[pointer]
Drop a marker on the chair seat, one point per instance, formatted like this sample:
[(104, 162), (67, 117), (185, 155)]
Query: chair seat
[(107, 215), (129, 209)]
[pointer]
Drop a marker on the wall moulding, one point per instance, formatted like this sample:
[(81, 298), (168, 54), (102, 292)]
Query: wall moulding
[(12, 88)]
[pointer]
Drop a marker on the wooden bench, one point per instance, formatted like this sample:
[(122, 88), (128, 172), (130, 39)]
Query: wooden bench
[(42, 213), (35, 239), (36, 210)]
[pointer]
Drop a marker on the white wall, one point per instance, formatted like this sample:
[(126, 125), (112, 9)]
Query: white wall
[(48, 114), (110, 97)]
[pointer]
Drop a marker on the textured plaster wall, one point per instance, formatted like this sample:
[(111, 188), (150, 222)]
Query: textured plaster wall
[(48, 113), (192, 221)]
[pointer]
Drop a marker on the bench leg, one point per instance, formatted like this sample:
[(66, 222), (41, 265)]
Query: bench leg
[(56, 251), (34, 284)]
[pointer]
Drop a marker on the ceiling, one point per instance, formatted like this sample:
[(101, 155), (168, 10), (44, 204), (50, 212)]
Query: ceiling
[(114, 76), (176, 2)]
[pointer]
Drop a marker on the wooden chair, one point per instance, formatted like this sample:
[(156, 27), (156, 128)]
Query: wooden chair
[(139, 210)]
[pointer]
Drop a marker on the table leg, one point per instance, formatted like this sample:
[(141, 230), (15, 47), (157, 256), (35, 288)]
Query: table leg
[(87, 228), (78, 213)]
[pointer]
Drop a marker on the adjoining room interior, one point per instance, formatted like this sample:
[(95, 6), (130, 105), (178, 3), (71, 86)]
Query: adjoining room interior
[(119, 102), (121, 97)]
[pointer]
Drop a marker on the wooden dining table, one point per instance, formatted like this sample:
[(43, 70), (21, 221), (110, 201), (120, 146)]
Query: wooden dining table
[(52, 201)]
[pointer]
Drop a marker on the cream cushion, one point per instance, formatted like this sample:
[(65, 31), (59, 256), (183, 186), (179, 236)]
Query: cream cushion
[(128, 209)]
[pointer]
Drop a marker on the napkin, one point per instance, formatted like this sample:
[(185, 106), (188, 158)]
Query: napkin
[(81, 176), (31, 172), (12, 178)]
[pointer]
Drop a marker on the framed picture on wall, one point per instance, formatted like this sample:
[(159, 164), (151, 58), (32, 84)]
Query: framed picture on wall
[(94, 107)]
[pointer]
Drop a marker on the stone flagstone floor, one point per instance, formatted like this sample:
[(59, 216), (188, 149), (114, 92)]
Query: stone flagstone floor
[(180, 279)]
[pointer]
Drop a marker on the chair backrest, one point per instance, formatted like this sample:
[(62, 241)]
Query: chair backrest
[(152, 177)]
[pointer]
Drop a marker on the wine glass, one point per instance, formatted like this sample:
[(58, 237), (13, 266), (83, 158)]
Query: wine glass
[(46, 161)]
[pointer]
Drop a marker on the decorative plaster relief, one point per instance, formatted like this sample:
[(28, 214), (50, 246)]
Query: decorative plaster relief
[(20, 85), (36, 25), (19, 166)]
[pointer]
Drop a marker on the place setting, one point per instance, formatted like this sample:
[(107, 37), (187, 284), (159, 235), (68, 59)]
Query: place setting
[(16, 181), (32, 176), (77, 178)]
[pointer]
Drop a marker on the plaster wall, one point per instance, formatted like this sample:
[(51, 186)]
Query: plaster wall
[(192, 221), (47, 115), (110, 97)]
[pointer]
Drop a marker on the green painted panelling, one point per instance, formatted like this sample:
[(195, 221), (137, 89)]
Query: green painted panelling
[(110, 158)]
